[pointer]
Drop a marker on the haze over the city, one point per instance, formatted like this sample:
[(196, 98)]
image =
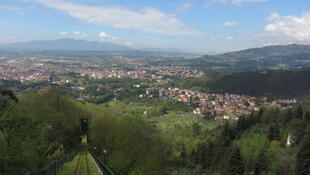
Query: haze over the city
[(190, 25)]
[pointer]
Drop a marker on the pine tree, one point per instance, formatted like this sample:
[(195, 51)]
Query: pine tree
[(303, 158), (235, 165), (241, 124), (259, 164), (227, 134), (260, 112), (208, 155), (307, 116), (183, 152), (288, 116), (274, 132), (200, 154), (194, 157), (196, 129), (299, 112)]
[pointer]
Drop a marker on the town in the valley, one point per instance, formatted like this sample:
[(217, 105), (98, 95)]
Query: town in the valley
[(219, 106), (37, 68)]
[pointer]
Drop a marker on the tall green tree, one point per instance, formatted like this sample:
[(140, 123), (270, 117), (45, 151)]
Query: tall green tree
[(196, 129), (307, 116), (299, 112), (34, 128), (132, 145), (303, 158), (259, 165), (234, 164), (274, 132)]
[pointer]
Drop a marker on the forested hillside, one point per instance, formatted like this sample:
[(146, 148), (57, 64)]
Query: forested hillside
[(267, 142), (281, 83), (37, 127), (280, 56), (45, 126)]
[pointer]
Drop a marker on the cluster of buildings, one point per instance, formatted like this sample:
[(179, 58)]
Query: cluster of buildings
[(163, 73), (23, 70), (218, 106), (36, 68)]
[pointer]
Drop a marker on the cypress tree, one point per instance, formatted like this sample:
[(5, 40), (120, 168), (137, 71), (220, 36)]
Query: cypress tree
[(288, 116), (235, 165), (183, 152), (194, 157), (303, 158), (241, 124), (299, 112), (227, 134), (204, 154), (200, 153), (260, 112), (274, 132), (259, 164), (208, 155), (307, 116)]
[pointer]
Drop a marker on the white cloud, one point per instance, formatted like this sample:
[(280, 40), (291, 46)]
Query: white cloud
[(212, 38), (148, 20), (129, 43), (20, 10), (229, 38), (104, 35), (184, 7), (292, 27), (9, 8), (63, 33), (233, 2), (230, 24), (271, 44), (114, 38), (80, 34), (246, 1)]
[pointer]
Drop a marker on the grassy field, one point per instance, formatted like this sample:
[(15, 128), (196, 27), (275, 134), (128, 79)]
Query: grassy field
[(177, 129), (181, 120)]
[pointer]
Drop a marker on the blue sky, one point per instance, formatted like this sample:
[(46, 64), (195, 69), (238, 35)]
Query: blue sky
[(189, 25)]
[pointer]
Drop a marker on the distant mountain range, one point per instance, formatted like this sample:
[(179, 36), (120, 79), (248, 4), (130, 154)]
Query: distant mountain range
[(67, 44), (270, 57), (281, 56), (267, 52), (72, 47)]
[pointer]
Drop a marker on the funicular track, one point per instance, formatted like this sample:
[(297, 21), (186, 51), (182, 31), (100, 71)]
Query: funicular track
[(82, 166)]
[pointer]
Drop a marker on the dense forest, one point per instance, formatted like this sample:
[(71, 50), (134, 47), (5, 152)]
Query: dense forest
[(37, 127), (44, 126), (274, 83), (266, 142)]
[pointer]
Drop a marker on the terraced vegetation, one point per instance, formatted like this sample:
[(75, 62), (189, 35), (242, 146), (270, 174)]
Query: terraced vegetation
[(174, 121)]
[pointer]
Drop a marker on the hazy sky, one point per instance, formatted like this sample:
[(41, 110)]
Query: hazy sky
[(190, 25)]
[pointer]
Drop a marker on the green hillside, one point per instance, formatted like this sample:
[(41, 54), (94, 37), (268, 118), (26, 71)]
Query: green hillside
[(281, 83), (44, 126), (271, 57), (267, 142)]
